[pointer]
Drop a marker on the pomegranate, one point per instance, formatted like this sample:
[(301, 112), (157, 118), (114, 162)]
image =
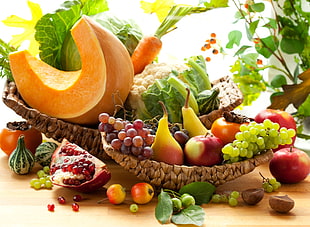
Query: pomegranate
[(73, 167)]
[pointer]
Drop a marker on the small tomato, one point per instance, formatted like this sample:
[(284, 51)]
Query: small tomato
[(10, 135), (225, 130), (116, 194), (142, 193)]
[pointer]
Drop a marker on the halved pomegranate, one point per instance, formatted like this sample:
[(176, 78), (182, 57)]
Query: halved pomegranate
[(73, 167)]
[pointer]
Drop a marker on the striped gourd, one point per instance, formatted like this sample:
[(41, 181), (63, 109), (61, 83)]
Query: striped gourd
[(21, 160), (44, 152)]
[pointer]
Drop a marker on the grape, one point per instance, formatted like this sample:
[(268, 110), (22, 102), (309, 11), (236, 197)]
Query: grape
[(116, 144), (127, 141), (181, 137), (41, 173), (136, 151), (138, 124), (118, 125), (104, 117), (133, 208), (147, 152), (272, 181), (216, 198), (137, 141), (235, 194), (131, 132), (37, 185), (149, 139), (255, 138), (232, 202), (48, 184), (129, 138), (122, 135), (111, 120)]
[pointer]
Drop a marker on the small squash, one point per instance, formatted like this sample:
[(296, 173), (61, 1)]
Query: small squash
[(44, 152), (78, 96), (21, 160)]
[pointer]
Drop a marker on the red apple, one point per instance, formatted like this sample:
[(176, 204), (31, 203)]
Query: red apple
[(204, 150), (283, 118), (290, 165)]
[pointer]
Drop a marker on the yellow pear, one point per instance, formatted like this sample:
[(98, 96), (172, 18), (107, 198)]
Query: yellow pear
[(191, 121), (165, 147)]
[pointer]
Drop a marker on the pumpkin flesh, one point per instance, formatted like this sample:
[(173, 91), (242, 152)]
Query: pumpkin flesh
[(63, 94)]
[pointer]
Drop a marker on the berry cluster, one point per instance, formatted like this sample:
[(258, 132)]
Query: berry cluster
[(129, 138), (270, 184), (43, 179), (231, 198), (255, 138), (211, 44)]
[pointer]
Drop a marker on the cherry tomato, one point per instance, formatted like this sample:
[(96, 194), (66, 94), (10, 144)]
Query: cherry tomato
[(142, 193), (116, 194), (225, 130), (9, 137)]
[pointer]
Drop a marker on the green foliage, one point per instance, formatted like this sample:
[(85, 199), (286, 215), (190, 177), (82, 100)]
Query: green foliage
[(288, 32), (5, 50), (52, 28), (191, 215)]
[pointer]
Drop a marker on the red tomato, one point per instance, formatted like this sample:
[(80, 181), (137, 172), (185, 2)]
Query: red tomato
[(9, 137), (142, 193), (225, 130)]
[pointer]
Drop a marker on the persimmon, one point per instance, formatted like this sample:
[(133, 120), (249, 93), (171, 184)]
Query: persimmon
[(10, 135)]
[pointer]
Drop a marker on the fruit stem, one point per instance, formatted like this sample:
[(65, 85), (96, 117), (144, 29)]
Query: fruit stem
[(164, 108), (187, 97)]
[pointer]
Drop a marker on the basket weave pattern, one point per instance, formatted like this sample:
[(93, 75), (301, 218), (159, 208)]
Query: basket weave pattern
[(90, 138), (174, 177)]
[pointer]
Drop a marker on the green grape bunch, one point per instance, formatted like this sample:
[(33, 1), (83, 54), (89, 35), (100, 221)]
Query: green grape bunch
[(255, 138)]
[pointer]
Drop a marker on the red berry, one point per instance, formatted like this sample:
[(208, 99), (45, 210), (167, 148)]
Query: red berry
[(75, 207), (77, 198), (51, 207), (61, 200), (213, 35)]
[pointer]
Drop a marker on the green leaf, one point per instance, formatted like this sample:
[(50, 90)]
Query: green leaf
[(52, 29), (192, 215), (278, 81), (257, 7), (251, 29), (242, 50), (234, 37), (5, 69), (272, 24), (214, 3), (267, 46), (201, 191), (291, 46), (304, 108), (164, 208)]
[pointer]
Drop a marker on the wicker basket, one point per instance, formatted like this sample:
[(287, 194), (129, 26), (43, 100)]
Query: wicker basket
[(90, 138), (160, 174)]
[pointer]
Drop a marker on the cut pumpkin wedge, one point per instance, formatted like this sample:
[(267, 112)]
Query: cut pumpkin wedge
[(77, 96)]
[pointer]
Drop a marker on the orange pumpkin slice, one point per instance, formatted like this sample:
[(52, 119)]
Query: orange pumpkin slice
[(76, 96)]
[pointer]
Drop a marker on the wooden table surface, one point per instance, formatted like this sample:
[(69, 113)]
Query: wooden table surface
[(21, 205)]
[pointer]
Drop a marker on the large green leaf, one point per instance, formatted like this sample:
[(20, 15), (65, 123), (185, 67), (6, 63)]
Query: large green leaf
[(291, 45), (267, 46), (52, 28)]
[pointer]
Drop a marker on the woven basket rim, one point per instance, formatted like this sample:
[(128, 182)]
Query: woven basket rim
[(161, 174), (90, 138)]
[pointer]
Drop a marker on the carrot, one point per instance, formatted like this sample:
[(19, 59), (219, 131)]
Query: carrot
[(149, 47), (146, 51)]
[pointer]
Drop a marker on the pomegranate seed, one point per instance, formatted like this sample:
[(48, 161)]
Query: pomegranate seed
[(77, 198), (51, 207), (75, 207), (61, 200)]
